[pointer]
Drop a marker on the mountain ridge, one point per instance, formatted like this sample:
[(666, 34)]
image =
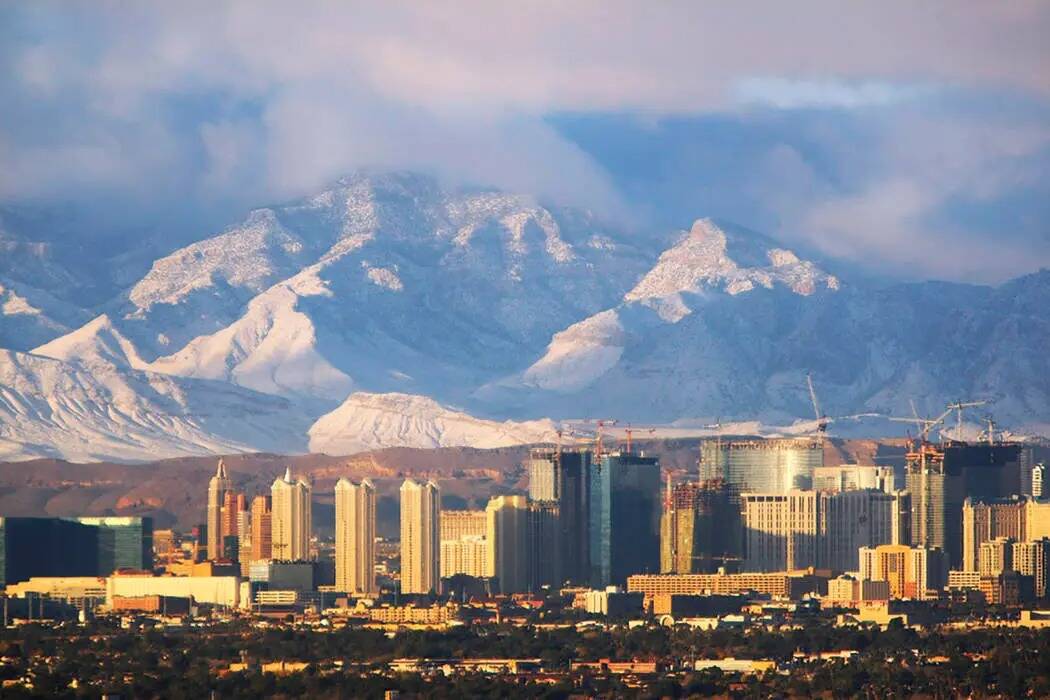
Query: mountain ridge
[(511, 310)]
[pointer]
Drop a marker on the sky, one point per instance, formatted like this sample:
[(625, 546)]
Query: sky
[(912, 139)]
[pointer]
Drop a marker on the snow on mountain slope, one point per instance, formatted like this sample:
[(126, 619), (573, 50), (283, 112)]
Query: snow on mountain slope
[(695, 271), (414, 288), (394, 285), (580, 354), (700, 259), (30, 316), (370, 421), (95, 342), (272, 348), (50, 408)]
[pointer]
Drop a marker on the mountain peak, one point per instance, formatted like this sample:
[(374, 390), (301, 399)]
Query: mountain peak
[(707, 257), (96, 341)]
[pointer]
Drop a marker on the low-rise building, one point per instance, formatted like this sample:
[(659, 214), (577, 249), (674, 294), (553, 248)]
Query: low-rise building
[(845, 589), (412, 615), (780, 584), (224, 591), (152, 604), (612, 602), (62, 587), (746, 667)]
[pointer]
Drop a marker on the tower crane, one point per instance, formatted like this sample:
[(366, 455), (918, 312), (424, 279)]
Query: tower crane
[(958, 407), (822, 419), (989, 432), (630, 433), (925, 424)]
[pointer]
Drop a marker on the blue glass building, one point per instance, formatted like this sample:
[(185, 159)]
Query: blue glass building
[(624, 518)]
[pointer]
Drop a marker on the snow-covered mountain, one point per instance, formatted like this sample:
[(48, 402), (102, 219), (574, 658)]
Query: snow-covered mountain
[(96, 410), (372, 421), (372, 307)]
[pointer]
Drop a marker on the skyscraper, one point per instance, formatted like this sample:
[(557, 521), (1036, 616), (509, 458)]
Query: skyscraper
[(1033, 559), (801, 529), (124, 542), (355, 533), (624, 518), (983, 522), (910, 571), (561, 479), (775, 465), (47, 547), (262, 528), (545, 542), (700, 528), (218, 485), (234, 507), (292, 518), (507, 541), (464, 549), (420, 537), (940, 479)]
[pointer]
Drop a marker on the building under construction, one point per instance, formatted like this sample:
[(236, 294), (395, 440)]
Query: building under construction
[(700, 529), (775, 465), (559, 489), (941, 477)]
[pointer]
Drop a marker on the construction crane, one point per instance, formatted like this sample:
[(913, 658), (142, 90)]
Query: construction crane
[(989, 432), (630, 434), (925, 424), (958, 407), (822, 419), (597, 433)]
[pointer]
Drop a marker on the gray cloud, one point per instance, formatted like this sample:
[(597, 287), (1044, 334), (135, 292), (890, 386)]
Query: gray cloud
[(244, 102)]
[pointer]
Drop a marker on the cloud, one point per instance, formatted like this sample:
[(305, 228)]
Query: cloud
[(228, 105), (798, 94)]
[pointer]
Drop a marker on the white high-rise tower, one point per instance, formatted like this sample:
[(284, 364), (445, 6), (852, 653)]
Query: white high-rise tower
[(420, 537), (218, 485), (291, 518), (355, 532)]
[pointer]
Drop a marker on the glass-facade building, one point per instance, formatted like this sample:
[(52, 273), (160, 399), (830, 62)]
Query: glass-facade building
[(775, 465), (124, 542), (624, 518), (563, 478), (31, 547)]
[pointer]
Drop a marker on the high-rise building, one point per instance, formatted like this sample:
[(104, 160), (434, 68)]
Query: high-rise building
[(467, 556), (218, 485), (624, 518), (781, 531), (420, 537), (457, 524), (31, 547), (463, 546), (262, 528), (995, 556), (1032, 559), (507, 538), (1035, 479), (124, 542), (355, 534), (1036, 519), (983, 522), (912, 572), (941, 478), (700, 529), (762, 466), (853, 477), (801, 529), (233, 505), (562, 477), (291, 518), (545, 543)]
